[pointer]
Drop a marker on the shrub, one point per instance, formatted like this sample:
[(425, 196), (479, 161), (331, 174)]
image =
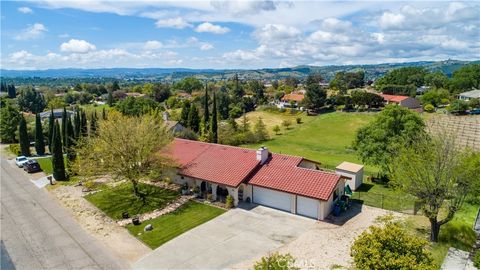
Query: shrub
[(299, 120), (276, 129), (187, 134), (286, 124), (391, 247), (209, 197), (476, 259), (229, 201), (429, 108), (276, 262), (15, 149)]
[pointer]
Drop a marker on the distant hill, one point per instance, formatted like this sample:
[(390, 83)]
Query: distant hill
[(172, 74)]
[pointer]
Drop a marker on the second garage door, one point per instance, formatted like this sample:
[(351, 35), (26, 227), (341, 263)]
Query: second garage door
[(307, 207), (272, 198)]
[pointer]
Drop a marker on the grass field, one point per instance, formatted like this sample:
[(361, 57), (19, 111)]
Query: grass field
[(115, 201), (457, 233), (171, 225), (46, 164), (326, 138)]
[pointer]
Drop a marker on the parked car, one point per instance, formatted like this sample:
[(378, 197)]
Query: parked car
[(20, 161), (32, 166), (475, 111)]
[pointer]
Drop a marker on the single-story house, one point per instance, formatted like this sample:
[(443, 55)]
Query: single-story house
[(469, 95), (289, 183), (287, 100), (403, 101), (134, 94), (57, 114), (173, 126)]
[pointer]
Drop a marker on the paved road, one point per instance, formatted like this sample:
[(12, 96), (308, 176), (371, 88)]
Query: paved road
[(37, 233)]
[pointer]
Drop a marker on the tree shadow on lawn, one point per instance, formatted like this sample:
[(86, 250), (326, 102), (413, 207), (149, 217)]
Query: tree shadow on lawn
[(115, 201)]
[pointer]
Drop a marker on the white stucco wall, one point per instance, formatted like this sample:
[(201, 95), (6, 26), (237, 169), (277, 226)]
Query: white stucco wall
[(356, 178)]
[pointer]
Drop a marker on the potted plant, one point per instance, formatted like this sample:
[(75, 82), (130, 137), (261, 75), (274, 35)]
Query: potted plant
[(185, 189), (196, 191), (229, 202)]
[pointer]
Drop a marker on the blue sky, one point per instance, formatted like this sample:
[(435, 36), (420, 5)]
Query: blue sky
[(234, 34)]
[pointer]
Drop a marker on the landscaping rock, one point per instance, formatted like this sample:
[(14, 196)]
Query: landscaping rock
[(147, 228)]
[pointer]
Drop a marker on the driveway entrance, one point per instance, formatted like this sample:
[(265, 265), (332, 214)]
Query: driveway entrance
[(227, 240)]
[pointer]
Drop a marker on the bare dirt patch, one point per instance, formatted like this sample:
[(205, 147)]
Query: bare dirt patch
[(117, 238)]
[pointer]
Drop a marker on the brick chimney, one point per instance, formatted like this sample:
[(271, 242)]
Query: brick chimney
[(262, 154)]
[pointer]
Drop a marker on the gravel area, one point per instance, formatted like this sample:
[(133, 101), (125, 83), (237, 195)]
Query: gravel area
[(117, 238), (327, 244)]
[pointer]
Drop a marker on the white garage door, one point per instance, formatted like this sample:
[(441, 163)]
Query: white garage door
[(307, 207), (272, 198)]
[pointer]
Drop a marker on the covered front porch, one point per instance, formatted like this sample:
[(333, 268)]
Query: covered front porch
[(220, 192)]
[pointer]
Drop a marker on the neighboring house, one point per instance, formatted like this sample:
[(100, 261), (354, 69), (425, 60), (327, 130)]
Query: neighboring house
[(287, 100), (422, 89), (173, 126), (184, 96), (57, 113), (284, 182), (404, 101), (466, 96), (134, 94)]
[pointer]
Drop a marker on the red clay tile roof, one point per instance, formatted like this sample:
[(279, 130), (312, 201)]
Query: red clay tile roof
[(221, 164), (294, 97), (228, 165), (393, 98), (282, 173)]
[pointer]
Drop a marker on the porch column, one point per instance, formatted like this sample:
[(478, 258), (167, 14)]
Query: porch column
[(214, 192)]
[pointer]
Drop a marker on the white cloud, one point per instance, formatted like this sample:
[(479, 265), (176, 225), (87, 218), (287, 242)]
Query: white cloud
[(276, 33), (32, 32), (178, 23), (77, 46), (211, 28), (240, 55), (206, 46), (389, 20), (25, 10), (152, 45)]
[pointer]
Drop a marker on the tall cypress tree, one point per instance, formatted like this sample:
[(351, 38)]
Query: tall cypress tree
[(39, 139), (78, 125), (185, 112), (193, 118), (24, 140), (83, 124), (93, 124), (213, 121), (64, 127), (206, 113), (57, 155), (70, 139), (110, 99), (12, 92), (51, 125), (104, 114)]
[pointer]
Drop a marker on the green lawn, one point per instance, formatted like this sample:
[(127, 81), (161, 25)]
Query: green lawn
[(326, 138), (171, 225), (457, 233), (45, 164), (115, 201), (385, 197)]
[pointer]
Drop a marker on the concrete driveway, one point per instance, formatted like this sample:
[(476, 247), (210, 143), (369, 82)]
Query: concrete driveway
[(227, 240)]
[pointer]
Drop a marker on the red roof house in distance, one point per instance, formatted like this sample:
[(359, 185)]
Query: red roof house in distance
[(287, 100), (403, 101), (284, 182)]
